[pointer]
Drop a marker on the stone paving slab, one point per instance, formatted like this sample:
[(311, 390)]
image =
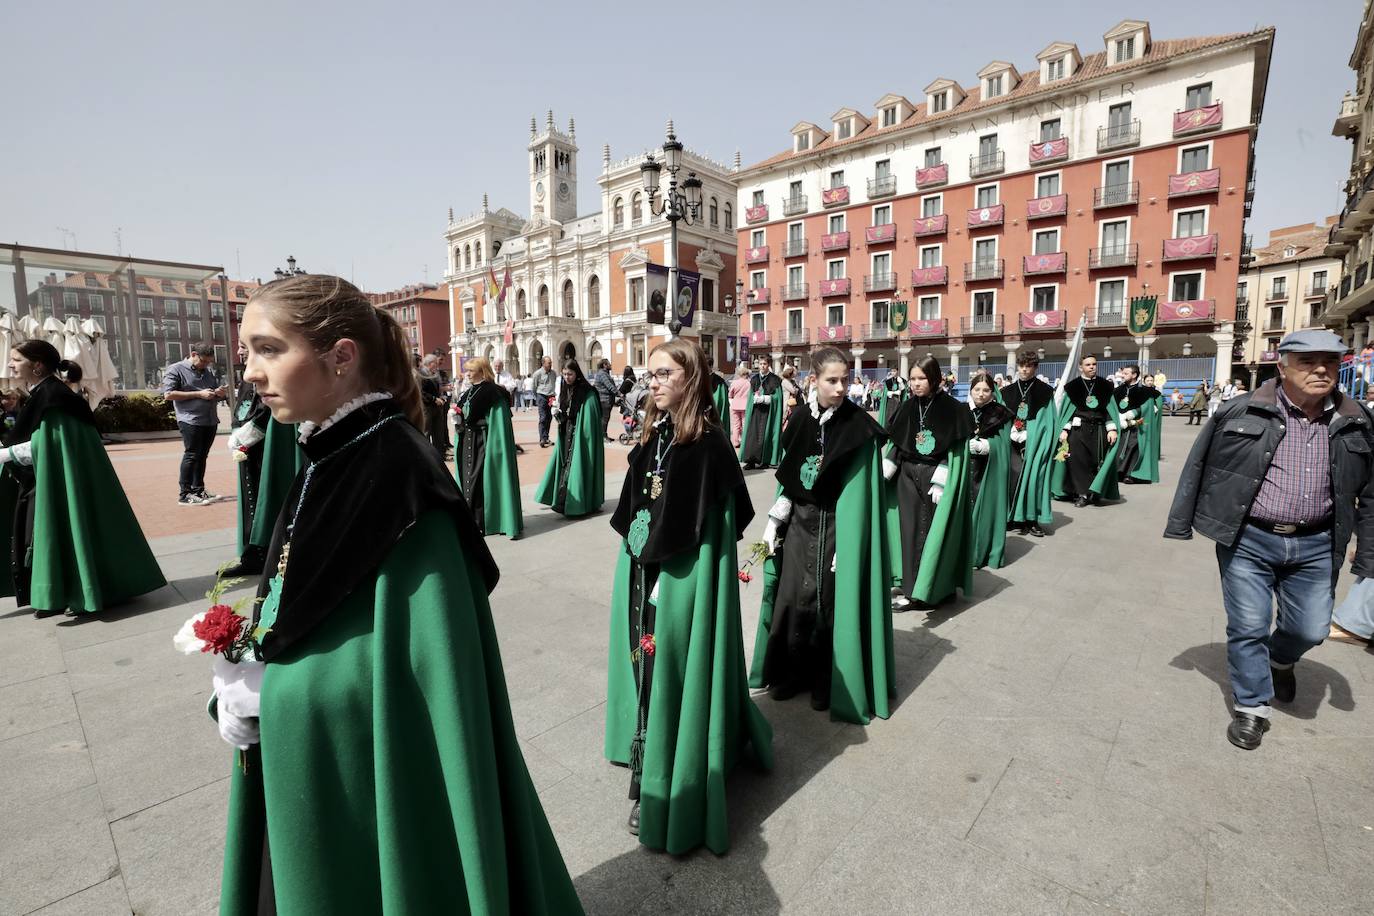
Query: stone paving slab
[(1057, 743)]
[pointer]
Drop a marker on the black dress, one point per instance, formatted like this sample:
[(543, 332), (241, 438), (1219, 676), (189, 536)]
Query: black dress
[(474, 405), (988, 421), (1088, 438), (1036, 395), (1129, 397), (752, 449)]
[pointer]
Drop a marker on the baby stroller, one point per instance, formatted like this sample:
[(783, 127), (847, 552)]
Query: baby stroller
[(630, 418)]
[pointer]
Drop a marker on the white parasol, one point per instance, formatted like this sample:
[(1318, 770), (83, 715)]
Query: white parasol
[(9, 339), (102, 376)]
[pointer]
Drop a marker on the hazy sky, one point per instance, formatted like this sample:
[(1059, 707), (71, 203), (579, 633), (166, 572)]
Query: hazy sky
[(238, 133)]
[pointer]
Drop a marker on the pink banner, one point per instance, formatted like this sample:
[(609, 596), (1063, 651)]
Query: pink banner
[(1055, 205), (1042, 321), (929, 327), (1049, 150), (986, 216), (1054, 263), (1191, 310), (1194, 182), (834, 241), (1197, 119), (758, 338), (879, 234), (930, 276), (760, 296), (1197, 246), (831, 197), (932, 225), (755, 255), (932, 176), (1269, 356), (756, 214), (838, 287), (835, 332)]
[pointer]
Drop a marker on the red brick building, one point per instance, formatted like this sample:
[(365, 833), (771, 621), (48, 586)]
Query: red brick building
[(422, 311)]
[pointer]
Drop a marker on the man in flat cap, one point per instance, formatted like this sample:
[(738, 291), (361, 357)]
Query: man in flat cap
[(1280, 478)]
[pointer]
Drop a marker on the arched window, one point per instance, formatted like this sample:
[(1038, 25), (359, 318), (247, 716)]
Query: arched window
[(477, 253), (568, 299), (618, 213), (467, 256), (543, 301), (636, 209), (457, 259), (594, 298), (522, 309), (729, 217), (715, 213), (594, 353)]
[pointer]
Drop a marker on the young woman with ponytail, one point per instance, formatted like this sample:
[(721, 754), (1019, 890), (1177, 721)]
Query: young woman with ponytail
[(377, 661), (75, 546)]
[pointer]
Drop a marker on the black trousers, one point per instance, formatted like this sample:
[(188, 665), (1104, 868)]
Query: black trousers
[(197, 441)]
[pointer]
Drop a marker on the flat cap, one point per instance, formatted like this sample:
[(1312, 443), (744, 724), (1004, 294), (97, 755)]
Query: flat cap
[(1312, 340)]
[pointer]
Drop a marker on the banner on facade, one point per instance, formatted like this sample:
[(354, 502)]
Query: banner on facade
[(1141, 320), (897, 315), (656, 293), (743, 350), (688, 295)]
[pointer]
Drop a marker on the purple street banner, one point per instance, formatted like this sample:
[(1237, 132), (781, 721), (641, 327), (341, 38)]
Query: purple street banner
[(656, 289)]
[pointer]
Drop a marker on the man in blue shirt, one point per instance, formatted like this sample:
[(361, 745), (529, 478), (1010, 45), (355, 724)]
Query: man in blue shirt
[(195, 392)]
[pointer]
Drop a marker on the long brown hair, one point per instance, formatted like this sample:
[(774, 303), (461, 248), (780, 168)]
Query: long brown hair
[(694, 410), (326, 309)]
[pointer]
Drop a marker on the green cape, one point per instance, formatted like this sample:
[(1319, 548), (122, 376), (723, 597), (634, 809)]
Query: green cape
[(720, 399), (88, 551), (883, 412), (1031, 501), (389, 777), (701, 718), (1147, 468), (863, 679), (281, 461), (1105, 483), (989, 518), (772, 433), (947, 555), (587, 479), (500, 476)]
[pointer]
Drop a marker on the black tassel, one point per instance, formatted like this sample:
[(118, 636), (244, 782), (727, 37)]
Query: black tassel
[(637, 753)]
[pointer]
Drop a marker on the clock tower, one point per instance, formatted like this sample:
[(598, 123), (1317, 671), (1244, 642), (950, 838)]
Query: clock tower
[(553, 172)]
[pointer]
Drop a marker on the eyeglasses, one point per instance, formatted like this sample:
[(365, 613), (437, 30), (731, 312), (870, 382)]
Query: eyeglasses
[(662, 375)]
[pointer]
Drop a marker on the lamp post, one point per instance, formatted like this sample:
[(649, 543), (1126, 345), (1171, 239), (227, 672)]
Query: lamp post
[(291, 269), (675, 205)]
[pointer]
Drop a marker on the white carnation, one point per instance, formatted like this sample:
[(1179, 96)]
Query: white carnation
[(186, 641)]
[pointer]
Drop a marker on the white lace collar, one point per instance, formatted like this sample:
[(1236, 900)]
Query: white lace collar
[(814, 404), (309, 427)]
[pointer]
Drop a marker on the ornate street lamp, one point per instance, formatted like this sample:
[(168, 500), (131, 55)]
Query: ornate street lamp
[(291, 269), (675, 205)]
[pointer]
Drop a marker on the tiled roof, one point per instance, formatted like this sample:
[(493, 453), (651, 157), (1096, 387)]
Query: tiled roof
[(1093, 66), (1309, 242), (156, 287)]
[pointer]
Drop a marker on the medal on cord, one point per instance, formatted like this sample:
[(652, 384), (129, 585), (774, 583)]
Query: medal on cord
[(811, 467), (925, 440), (638, 536), (1023, 408)]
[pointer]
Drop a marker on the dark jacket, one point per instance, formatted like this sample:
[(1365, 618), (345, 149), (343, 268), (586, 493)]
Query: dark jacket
[(1233, 452), (605, 386)]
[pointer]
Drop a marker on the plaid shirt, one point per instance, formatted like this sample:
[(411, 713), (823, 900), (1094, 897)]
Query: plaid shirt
[(1297, 487)]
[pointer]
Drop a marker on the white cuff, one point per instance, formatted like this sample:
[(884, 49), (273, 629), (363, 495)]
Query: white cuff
[(781, 510), (889, 468), (940, 477), (767, 398), (246, 436), (1075, 422), (1018, 436), (20, 454), (1111, 427), (936, 491), (1129, 415)]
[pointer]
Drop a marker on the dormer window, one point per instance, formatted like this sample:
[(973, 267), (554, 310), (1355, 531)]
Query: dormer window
[(1054, 70), (803, 142), (1127, 40), (939, 102), (890, 116), (1290, 251), (1124, 50), (994, 86), (844, 129)]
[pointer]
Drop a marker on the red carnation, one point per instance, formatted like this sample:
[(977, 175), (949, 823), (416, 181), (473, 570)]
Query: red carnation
[(745, 577), (1019, 425), (219, 629), (646, 642)]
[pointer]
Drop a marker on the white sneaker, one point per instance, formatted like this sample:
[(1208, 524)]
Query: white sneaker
[(208, 497), (191, 499)]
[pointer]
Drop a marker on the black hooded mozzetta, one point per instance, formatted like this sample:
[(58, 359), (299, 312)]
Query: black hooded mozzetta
[(946, 418), (848, 429)]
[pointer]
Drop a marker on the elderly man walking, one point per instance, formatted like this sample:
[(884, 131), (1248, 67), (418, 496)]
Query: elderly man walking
[(545, 384), (1281, 480)]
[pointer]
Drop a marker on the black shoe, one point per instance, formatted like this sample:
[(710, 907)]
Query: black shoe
[(750, 466), (782, 691), (820, 704), (69, 613), (519, 450), (40, 613), (1285, 684), (1035, 531), (545, 444), (1080, 502), (1246, 731), (633, 823), (243, 568)]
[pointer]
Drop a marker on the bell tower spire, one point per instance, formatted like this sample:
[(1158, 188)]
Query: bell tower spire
[(553, 172)]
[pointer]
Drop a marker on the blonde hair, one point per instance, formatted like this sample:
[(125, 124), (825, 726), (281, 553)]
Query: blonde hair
[(326, 309), (694, 410), (481, 367)]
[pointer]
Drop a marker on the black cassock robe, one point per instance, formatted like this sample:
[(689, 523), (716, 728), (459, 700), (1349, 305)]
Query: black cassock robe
[(1088, 439)]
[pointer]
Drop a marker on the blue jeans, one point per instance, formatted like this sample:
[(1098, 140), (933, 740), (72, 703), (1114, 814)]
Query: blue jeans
[(545, 415), (1259, 567)]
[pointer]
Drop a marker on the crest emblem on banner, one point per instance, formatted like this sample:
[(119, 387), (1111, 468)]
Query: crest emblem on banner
[(1142, 315), (898, 315)]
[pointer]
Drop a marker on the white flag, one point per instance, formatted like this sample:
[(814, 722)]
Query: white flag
[(1071, 367)]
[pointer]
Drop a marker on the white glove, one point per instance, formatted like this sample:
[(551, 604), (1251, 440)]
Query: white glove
[(1129, 415), (1018, 436), (977, 446), (653, 595), (941, 476), (767, 398), (240, 731), (832, 561), (246, 436), (239, 686), (1077, 421), (758, 399), (558, 413), (19, 454), (889, 468), (770, 535), (936, 491)]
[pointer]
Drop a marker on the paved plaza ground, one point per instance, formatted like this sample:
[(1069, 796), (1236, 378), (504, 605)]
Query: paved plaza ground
[(1057, 744)]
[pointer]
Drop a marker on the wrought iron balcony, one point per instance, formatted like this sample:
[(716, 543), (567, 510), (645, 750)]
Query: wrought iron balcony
[(1055, 262), (1276, 296), (757, 214), (1207, 181), (1242, 311), (760, 338), (882, 186), (930, 276), (928, 327), (1040, 321), (1044, 207), (1117, 195), (835, 197), (931, 225), (1113, 316), (987, 164), (1190, 248), (793, 205), (757, 296), (793, 293), (1118, 136), (983, 270), (982, 217), (876, 332), (932, 176), (795, 248), (1314, 290), (1047, 151), (1197, 120), (881, 234), (874, 283), (980, 325), (830, 333), (1187, 310), (792, 337), (1273, 325), (1113, 256), (838, 286), (756, 255)]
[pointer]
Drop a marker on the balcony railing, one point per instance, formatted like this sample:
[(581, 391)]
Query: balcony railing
[(760, 338), (1039, 321), (979, 325), (983, 270), (756, 255), (928, 327), (1276, 296), (876, 332), (1117, 195), (793, 293), (931, 225), (874, 283), (881, 234), (836, 287), (1197, 120), (1118, 136), (835, 197), (1204, 182), (1044, 207), (1113, 256), (835, 241), (1191, 247), (1273, 324), (758, 296), (1187, 310), (833, 332), (986, 216), (1242, 313), (882, 186), (932, 176), (1113, 316), (987, 164), (1056, 262), (757, 214), (793, 205), (1047, 151), (794, 337), (795, 248), (930, 276), (1314, 291)]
